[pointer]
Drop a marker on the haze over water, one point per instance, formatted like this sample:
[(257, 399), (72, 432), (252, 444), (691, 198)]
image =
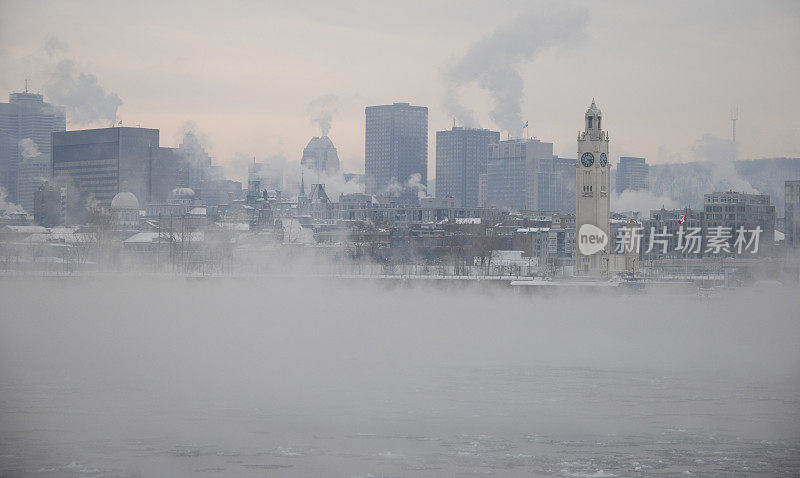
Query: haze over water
[(156, 376)]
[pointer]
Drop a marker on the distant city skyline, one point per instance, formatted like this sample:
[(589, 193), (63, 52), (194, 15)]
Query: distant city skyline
[(667, 87)]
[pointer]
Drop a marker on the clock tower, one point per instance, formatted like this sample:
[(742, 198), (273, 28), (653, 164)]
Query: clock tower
[(592, 202)]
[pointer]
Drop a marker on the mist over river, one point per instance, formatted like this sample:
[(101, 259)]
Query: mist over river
[(163, 376)]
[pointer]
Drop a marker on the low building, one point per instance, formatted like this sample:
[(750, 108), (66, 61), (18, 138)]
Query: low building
[(732, 210)]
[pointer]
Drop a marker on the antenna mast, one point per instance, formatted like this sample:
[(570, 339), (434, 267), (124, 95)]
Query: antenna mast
[(734, 117)]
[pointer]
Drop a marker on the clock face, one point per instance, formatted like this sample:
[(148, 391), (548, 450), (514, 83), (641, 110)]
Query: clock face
[(587, 159), (603, 159)]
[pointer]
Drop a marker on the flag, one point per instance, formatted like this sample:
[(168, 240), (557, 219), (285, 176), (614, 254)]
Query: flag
[(525, 125)]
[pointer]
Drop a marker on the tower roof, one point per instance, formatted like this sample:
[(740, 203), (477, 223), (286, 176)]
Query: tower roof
[(593, 110)]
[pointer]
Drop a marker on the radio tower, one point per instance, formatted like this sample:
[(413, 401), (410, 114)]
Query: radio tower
[(734, 117)]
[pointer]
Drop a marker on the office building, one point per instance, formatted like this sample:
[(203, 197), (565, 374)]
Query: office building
[(396, 149), (170, 169), (104, 162), (26, 115), (556, 185), (198, 161), (461, 155), (513, 168), (792, 211), (633, 174)]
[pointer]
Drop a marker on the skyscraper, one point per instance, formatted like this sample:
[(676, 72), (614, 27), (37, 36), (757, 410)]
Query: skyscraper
[(513, 170), (632, 174), (396, 149), (592, 197), (461, 156), (26, 115), (320, 156), (556, 185), (792, 214)]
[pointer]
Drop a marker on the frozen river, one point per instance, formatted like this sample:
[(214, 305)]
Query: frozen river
[(229, 377)]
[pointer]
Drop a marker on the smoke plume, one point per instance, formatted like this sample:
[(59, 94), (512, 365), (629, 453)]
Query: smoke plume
[(85, 99), (494, 62), (322, 110)]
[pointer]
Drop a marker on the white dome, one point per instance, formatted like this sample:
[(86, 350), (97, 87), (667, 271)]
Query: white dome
[(125, 200), (181, 193)]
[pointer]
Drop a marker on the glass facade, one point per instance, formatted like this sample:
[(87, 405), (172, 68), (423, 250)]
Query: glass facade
[(396, 147)]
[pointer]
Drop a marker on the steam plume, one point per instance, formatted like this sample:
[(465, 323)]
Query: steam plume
[(720, 153), (322, 110), (494, 61), (85, 99), (28, 149), (54, 46)]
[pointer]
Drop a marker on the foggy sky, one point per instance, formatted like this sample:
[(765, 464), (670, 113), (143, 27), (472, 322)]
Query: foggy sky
[(246, 73)]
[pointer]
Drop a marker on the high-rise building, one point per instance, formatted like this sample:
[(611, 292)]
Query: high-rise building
[(104, 162), (170, 169), (792, 214), (396, 149), (632, 174), (461, 155), (556, 185), (198, 161), (33, 172), (269, 176), (592, 196), (25, 116), (513, 170), (320, 156)]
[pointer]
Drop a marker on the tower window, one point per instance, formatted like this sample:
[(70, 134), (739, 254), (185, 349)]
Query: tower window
[(599, 118), (589, 122)]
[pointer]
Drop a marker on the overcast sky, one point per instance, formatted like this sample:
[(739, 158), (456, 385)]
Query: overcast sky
[(665, 74)]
